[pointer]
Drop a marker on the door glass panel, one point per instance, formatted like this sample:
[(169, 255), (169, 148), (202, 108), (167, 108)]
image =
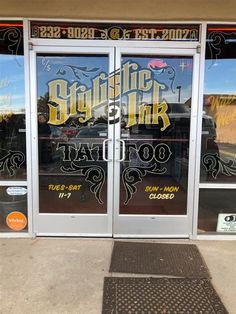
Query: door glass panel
[(155, 126), (72, 125)]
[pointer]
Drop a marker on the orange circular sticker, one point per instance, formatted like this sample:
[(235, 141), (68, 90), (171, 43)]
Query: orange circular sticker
[(16, 221)]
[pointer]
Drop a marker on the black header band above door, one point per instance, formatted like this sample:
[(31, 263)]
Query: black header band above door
[(108, 31)]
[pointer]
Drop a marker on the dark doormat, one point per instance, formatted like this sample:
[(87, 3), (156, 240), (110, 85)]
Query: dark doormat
[(179, 260), (160, 295)]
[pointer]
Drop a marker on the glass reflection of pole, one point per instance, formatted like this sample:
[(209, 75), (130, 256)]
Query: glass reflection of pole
[(179, 88)]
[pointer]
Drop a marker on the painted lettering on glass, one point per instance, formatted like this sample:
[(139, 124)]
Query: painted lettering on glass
[(68, 99)]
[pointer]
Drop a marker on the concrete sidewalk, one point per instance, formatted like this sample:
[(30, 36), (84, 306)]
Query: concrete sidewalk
[(57, 275)]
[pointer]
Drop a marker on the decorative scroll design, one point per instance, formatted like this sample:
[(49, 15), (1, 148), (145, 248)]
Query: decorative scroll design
[(80, 73), (215, 165), (171, 73), (11, 162), (13, 36), (93, 174), (132, 175), (162, 70), (215, 42)]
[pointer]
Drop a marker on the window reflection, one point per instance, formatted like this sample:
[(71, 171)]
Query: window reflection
[(72, 125), (12, 103), (156, 112), (219, 115)]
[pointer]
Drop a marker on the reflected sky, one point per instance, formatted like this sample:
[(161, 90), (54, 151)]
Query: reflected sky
[(12, 92), (174, 72), (220, 76), (61, 67), (72, 68), (12, 76), (177, 76)]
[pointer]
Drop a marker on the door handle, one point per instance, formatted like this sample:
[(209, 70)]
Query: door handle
[(104, 149), (123, 150)]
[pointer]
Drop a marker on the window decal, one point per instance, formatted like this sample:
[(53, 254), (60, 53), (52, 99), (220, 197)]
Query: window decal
[(11, 162)]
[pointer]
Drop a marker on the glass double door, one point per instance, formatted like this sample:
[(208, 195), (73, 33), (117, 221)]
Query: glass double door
[(113, 133)]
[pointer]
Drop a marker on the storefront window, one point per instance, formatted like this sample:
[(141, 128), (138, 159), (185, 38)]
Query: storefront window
[(13, 199), (219, 116), (217, 210), (12, 103)]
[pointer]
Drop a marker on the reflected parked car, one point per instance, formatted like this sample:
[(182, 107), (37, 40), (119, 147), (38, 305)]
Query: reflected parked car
[(179, 115), (98, 130)]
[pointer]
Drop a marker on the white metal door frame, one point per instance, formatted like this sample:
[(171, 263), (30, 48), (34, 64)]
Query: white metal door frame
[(100, 224), (155, 226), (68, 224)]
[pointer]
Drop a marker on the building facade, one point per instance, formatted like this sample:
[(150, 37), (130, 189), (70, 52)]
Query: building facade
[(114, 126)]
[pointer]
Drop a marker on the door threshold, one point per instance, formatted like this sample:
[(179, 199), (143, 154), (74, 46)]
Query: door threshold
[(151, 236)]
